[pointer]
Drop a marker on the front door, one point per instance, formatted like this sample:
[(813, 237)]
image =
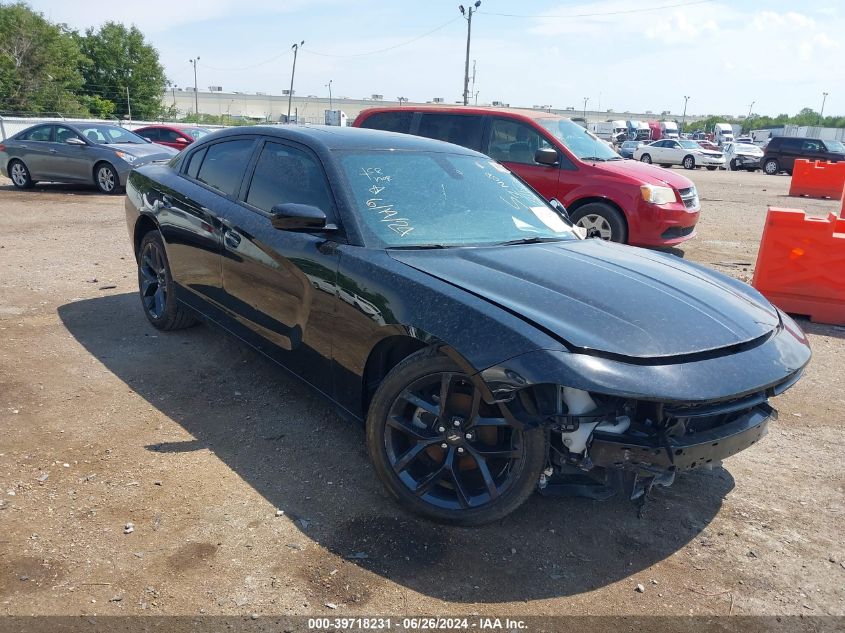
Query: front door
[(71, 161), (281, 285), (513, 143)]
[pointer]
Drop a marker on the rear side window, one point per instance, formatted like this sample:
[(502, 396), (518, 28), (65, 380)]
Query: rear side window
[(464, 130), (791, 143), (152, 134), (224, 165), (194, 162), (390, 121), (37, 134), (286, 174)]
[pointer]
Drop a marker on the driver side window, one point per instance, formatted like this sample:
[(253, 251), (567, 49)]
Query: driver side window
[(514, 142)]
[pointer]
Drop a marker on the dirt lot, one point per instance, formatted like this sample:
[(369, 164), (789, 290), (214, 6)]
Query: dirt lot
[(197, 441)]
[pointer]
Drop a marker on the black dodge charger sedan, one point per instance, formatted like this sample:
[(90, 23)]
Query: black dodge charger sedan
[(426, 291)]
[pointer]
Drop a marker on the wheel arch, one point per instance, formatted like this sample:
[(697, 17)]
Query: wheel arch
[(105, 161), (143, 225)]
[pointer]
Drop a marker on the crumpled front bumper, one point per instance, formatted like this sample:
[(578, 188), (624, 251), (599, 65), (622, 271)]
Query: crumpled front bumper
[(651, 456)]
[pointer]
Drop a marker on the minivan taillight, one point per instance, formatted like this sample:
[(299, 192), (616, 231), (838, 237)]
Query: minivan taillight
[(2, 147)]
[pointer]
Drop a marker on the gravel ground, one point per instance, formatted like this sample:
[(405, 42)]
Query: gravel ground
[(197, 442)]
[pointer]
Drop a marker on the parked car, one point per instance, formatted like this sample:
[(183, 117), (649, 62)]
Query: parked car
[(742, 156), (781, 152), (627, 148), (495, 345), (745, 139), (95, 153), (709, 146), (679, 152), (624, 201), (175, 136)]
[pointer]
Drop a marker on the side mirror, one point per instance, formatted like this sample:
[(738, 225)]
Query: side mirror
[(75, 141), (148, 139), (290, 216), (557, 206), (546, 156), (182, 140)]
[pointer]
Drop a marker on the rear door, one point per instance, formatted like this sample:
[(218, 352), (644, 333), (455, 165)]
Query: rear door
[(513, 143), (34, 150), (281, 285), (461, 129), (790, 149)]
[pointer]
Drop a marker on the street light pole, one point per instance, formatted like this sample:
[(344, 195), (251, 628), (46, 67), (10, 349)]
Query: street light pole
[(467, 13), (196, 95), (821, 114), (586, 99), (684, 117), (295, 48), (329, 86)]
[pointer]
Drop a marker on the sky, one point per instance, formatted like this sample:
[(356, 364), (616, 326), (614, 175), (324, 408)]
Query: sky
[(724, 54)]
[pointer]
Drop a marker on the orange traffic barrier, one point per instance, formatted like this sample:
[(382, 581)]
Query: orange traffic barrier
[(817, 179), (801, 264)]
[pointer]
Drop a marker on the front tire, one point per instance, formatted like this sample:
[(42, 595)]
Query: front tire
[(106, 178), (771, 167), (445, 454), (605, 219), (646, 158), (20, 176), (155, 284)]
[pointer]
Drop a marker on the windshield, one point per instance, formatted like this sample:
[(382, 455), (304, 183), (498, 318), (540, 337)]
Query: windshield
[(689, 144), (108, 134), (196, 133), (408, 199), (835, 146), (577, 140)]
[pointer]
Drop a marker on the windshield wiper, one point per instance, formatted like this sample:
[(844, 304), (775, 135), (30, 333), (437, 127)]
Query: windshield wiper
[(594, 158), (529, 240), (417, 247)]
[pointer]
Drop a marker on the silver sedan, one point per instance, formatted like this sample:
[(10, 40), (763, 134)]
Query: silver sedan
[(96, 153)]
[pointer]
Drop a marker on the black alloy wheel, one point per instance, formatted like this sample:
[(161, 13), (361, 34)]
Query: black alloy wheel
[(155, 285), (445, 453)]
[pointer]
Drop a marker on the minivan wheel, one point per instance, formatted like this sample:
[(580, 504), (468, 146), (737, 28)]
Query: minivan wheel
[(602, 217), (689, 162), (442, 452), (771, 167), (19, 175), (733, 164), (155, 284), (646, 158), (106, 179)]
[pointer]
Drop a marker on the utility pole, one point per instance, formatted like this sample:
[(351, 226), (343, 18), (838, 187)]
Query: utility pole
[(196, 93), (128, 106), (329, 86), (295, 49), (473, 82), (684, 117), (585, 110), (821, 114), (748, 118), (402, 100), (467, 13)]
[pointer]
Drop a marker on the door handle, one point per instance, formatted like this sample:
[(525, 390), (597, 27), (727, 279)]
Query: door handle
[(166, 202), (231, 239), (54, 151)]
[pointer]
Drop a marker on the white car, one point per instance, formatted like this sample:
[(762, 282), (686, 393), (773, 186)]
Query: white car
[(742, 156), (684, 152)]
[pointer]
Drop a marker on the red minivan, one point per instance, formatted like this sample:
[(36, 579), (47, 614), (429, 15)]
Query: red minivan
[(625, 200)]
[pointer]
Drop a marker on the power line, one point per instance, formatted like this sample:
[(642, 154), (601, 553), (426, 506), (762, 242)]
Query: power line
[(389, 48), (603, 13)]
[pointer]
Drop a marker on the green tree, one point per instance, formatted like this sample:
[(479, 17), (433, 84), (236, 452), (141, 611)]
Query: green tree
[(39, 63), (120, 59)]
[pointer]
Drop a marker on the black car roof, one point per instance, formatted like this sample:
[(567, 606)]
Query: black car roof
[(334, 137)]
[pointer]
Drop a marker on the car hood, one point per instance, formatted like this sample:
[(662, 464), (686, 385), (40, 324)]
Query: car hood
[(606, 297), (749, 152), (148, 151), (643, 173)]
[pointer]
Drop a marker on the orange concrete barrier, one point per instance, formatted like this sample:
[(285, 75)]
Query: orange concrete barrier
[(817, 179), (801, 264)]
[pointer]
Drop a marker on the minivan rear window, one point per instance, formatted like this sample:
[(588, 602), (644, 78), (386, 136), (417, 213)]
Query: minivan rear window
[(390, 121), (460, 129)]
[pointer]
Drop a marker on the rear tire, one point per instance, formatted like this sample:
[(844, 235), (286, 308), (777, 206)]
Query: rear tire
[(477, 469), (688, 162), (733, 164), (156, 287), (20, 176), (603, 217), (645, 158)]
